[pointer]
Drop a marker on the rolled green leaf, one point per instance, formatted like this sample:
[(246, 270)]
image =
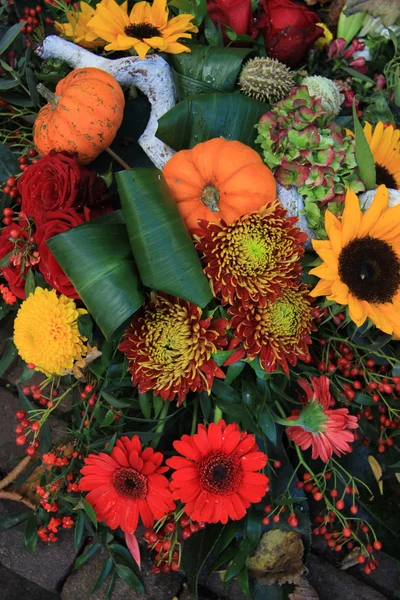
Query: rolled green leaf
[(163, 249), (97, 258), (207, 116), (364, 157)]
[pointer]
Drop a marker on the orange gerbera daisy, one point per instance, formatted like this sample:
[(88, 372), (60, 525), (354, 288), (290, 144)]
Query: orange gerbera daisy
[(125, 484), (361, 261)]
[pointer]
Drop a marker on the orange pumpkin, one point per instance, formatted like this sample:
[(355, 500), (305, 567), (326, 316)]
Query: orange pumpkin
[(83, 115), (218, 179)]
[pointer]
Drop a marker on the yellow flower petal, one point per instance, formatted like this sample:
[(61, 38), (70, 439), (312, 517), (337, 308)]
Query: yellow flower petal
[(326, 253), (376, 138), (378, 317), (324, 272), (159, 13), (340, 292), (372, 215), (334, 230), (368, 132), (351, 218), (357, 310), (321, 289), (388, 226)]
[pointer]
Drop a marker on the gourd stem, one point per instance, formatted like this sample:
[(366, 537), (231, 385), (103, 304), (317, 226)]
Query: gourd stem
[(48, 95), (210, 198), (118, 159)]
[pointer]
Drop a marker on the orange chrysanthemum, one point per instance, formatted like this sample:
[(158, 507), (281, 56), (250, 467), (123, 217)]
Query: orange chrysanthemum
[(326, 430), (127, 483), (169, 348), (279, 332), (217, 479), (361, 261), (254, 258)]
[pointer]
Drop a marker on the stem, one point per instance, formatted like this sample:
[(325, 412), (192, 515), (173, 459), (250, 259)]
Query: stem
[(118, 159), (51, 98), (217, 414), (195, 413), (17, 498), (161, 424), (15, 472), (210, 198)]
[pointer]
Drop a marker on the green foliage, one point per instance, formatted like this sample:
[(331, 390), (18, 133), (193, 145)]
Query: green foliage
[(207, 116), (365, 160)]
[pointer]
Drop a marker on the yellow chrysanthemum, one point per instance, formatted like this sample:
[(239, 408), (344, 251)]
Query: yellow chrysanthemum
[(146, 27), (361, 261), (77, 28), (46, 332), (384, 143), (325, 39)]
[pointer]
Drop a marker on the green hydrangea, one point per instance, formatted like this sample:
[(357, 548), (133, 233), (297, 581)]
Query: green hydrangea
[(306, 149)]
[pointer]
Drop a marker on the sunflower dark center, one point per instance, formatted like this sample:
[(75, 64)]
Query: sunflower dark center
[(371, 269), (130, 483), (220, 474), (142, 31), (384, 177)]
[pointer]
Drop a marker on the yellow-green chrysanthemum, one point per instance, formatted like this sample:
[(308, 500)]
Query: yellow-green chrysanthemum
[(146, 27), (361, 261), (77, 28), (46, 332), (384, 143)]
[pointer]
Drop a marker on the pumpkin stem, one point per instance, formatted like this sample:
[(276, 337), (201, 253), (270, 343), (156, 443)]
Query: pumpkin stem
[(210, 198), (48, 95)]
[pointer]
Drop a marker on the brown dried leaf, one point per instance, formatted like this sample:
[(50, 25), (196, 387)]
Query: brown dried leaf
[(303, 591), (334, 12), (278, 557), (377, 471), (76, 371), (387, 10), (350, 560)]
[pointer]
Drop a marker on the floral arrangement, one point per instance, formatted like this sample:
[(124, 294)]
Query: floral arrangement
[(200, 265)]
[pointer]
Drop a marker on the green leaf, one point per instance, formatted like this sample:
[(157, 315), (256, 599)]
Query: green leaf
[(216, 66), (97, 258), (158, 403), (104, 573), (108, 419), (8, 84), (30, 284), (205, 404), (123, 552), (357, 75), (365, 160), (238, 560), (90, 551), (129, 577), (364, 399), (30, 537), (146, 404), (226, 536), (32, 85), (16, 99), (8, 356), (10, 36), (79, 527), (89, 510), (197, 550), (243, 580), (8, 163), (267, 424), (8, 521), (162, 246), (85, 326), (234, 371), (221, 356), (207, 116), (254, 528), (114, 401)]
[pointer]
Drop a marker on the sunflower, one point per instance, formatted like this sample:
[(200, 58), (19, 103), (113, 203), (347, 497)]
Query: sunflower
[(385, 147), (77, 28), (361, 261), (146, 27)]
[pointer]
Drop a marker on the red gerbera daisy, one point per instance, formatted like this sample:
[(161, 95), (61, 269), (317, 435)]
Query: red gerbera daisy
[(326, 430), (217, 480), (126, 484), (169, 348)]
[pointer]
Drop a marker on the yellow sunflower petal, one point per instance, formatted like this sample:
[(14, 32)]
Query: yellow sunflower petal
[(141, 13), (386, 145), (334, 230), (372, 215), (325, 272), (357, 310), (159, 13), (328, 256), (351, 218), (340, 292), (376, 138), (387, 227), (378, 317), (368, 132), (321, 289)]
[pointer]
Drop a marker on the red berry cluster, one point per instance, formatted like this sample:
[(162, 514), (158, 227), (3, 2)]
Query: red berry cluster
[(274, 515), (23, 429), (166, 543), (7, 295), (10, 189), (34, 22), (38, 395)]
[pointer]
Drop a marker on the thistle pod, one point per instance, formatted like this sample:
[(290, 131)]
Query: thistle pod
[(266, 79)]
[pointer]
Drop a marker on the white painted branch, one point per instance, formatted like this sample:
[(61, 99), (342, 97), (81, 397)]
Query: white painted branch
[(152, 76)]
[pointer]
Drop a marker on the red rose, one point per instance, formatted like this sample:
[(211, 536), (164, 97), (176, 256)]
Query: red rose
[(236, 14), (57, 182), (55, 223), (289, 30), (12, 273)]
